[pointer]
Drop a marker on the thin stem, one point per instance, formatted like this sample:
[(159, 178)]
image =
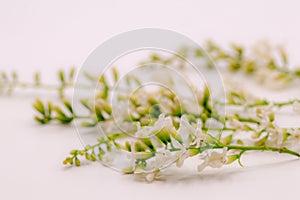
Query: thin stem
[(258, 148), (265, 103)]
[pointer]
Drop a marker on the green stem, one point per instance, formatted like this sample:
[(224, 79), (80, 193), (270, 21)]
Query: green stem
[(264, 103), (258, 148)]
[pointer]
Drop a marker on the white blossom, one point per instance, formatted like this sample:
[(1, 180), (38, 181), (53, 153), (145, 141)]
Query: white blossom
[(161, 158), (199, 135), (214, 160), (296, 106), (182, 158), (185, 129), (150, 177), (293, 141), (271, 78), (236, 124), (265, 111), (107, 158), (262, 51), (146, 131), (275, 137)]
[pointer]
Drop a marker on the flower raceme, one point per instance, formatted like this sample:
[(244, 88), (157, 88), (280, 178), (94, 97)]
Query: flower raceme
[(162, 133)]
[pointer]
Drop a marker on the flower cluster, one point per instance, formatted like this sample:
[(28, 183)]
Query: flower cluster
[(150, 130)]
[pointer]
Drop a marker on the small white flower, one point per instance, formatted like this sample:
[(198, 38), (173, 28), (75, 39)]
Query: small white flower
[(262, 74), (296, 106), (236, 124), (107, 159), (262, 51), (185, 129), (159, 124), (146, 131), (276, 136), (168, 123), (199, 135), (264, 124), (293, 141), (182, 158), (214, 160), (161, 158), (150, 177), (265, 111)]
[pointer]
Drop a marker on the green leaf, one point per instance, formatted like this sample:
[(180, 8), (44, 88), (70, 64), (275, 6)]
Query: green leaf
[(4, 76), (77, 162), (139, 148), (194, 151), (72, 73), (39, 120), (210, 139), (155, 111), (198, 52), (115, 136), (164, 136), (115, 74), (148, 143), (66, 120), (49, 109), (261, 142), (74, 152), (68, 105), (85, 103), (226, 140), (177, 136), (61, 76), (59, 112), (37, 78), (39, 106), (87, 156), (232, 158), (14, 76), (99, 114), (117, 145), (88, 124), (128, 146)]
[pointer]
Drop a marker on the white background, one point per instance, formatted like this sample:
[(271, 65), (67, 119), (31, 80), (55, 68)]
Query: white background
[(48, 35)]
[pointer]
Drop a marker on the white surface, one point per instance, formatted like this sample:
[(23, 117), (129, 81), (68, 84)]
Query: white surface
[(54, 34)]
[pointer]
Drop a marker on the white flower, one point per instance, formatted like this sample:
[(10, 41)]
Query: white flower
[(296, 106), (275, 136), (107, 158), (293, 141), (166, 104), (262, 51), (214, 160), (191, 105), (168, 123), (148, 176), (236, 124), (199, 135), (185, 129), (146, 131), (152, 176), (158, 125), (265, 112), (182, 158), (264, 124), (161, 158), (262, 73)]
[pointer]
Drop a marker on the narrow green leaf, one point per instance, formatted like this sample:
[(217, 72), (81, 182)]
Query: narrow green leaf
[(68, 105), (39, 106)]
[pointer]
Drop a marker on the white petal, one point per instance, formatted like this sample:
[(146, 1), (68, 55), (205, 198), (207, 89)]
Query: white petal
[(202, 166), (296, 106)]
